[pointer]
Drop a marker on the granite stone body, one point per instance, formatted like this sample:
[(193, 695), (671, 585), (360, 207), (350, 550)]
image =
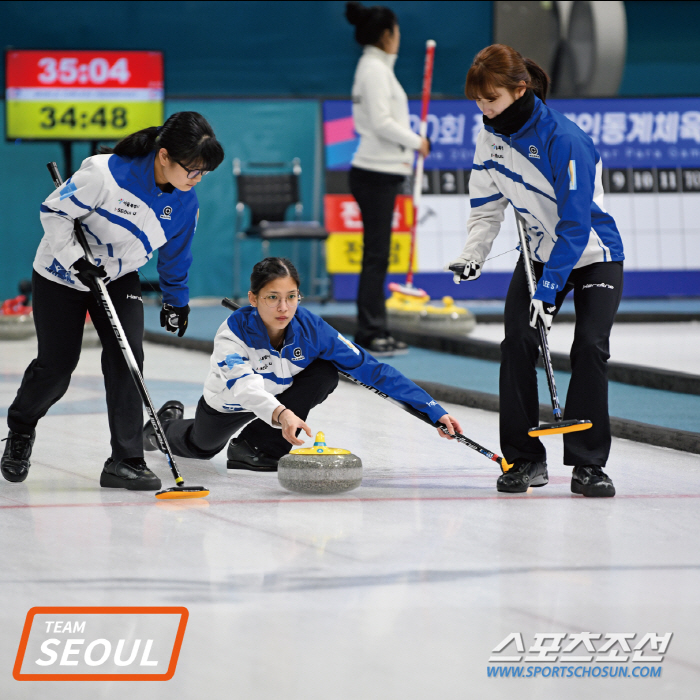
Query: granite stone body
[(320, 473)]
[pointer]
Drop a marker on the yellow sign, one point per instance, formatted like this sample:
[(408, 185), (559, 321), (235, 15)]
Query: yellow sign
[(108, 121), (344, 252)]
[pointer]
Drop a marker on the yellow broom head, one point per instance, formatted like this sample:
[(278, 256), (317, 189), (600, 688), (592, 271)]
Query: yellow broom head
[(183, 492), (566, 426)]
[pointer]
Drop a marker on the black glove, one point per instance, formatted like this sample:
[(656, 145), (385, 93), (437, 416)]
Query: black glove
[(174, 319), (86, 272)]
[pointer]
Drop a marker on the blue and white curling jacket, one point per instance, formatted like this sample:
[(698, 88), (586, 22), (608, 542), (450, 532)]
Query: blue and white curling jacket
[(247, 374), (551, 173), (125, 217)]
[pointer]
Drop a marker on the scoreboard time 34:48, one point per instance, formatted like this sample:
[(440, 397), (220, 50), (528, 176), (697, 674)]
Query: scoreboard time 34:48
[(82, 95)]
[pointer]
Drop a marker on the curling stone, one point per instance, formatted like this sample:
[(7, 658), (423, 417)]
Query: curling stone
[(320, 469), (16, 326)]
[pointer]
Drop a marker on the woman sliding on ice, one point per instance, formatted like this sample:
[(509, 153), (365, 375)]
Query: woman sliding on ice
[(274, 361)]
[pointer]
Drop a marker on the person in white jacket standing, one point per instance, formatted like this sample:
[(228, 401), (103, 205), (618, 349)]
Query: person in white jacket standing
[(381, 163)]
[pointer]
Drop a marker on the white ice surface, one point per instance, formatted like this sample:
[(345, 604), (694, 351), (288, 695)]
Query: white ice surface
[(397, 590), (673, 346)]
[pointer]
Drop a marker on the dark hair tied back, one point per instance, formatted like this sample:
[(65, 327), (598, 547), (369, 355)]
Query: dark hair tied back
[(370, 22), (539, 80), (271, 269), (187, 136)]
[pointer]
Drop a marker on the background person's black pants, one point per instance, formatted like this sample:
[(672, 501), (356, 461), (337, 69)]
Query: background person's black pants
[(59, 317), (597, 292), (375, 194), (207, 433)]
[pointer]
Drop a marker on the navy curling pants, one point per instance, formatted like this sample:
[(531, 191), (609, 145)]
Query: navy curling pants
[(597, 291), (205, 435), (59, 317)]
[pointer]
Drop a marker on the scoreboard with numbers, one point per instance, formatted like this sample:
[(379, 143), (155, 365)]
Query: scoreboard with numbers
[(650, 149), (82, 95)]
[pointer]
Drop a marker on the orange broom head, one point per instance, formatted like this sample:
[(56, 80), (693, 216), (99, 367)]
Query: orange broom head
[(184, 492), (567, 426)]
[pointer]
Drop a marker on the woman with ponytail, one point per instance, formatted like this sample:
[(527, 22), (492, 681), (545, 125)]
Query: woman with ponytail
[(131, 201), (549, 170), (381, 163)]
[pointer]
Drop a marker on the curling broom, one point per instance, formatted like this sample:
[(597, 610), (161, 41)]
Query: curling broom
[(559, 425)]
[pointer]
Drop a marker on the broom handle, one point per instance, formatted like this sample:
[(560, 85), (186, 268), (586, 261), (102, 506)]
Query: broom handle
[(544, 345), (423, 131)]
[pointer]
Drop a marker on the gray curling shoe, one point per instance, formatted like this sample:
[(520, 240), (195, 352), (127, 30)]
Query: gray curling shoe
[(170, 410), (522, 475), (130, 473), (242, 455), (590, 480)]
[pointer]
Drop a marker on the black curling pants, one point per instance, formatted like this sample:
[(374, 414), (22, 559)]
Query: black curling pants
[(375, 194), (208, 432), (59, 317), (597, 291)]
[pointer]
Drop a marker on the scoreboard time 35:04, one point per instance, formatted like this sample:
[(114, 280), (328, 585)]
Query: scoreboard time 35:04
[(82, 95)]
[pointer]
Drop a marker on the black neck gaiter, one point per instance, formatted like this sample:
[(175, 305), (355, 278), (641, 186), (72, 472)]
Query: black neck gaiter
[(513, 118)]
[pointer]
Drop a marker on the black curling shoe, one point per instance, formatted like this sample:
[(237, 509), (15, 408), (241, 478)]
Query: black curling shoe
[(522, 475), (242, 455), (590, 480), (15, 460), (130, 473), (170, 410)]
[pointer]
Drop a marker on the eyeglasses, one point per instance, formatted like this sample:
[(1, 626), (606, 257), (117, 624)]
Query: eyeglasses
[(192, 174), (273, 300)]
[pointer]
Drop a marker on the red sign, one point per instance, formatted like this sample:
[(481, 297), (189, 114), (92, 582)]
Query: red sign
[(84, 69), (342, 214)]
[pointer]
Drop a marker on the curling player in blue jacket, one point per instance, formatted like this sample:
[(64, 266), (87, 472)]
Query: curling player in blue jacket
[(549, 170), (130, 202), (274, 361)]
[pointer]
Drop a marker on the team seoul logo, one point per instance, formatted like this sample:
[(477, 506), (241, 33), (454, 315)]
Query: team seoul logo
[(534, 152), (166, 213)]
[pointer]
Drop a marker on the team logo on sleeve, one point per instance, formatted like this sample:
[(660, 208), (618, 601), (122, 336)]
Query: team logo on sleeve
[(68, 190), (166, 213), (534, 153), (234, 359)]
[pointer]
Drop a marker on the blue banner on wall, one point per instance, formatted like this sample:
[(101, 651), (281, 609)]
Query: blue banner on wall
[(628, 133)]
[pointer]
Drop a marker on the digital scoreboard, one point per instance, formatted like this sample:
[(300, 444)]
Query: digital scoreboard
[(82, 95)]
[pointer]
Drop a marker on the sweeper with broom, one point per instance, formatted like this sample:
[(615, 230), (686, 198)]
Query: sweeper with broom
[(100, 227), (549, 170)]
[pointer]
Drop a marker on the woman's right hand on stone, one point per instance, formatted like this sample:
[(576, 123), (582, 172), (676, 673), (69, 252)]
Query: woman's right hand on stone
[(290, 423)]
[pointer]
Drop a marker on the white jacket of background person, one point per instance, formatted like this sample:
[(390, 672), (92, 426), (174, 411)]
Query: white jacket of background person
[(380, 112)]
